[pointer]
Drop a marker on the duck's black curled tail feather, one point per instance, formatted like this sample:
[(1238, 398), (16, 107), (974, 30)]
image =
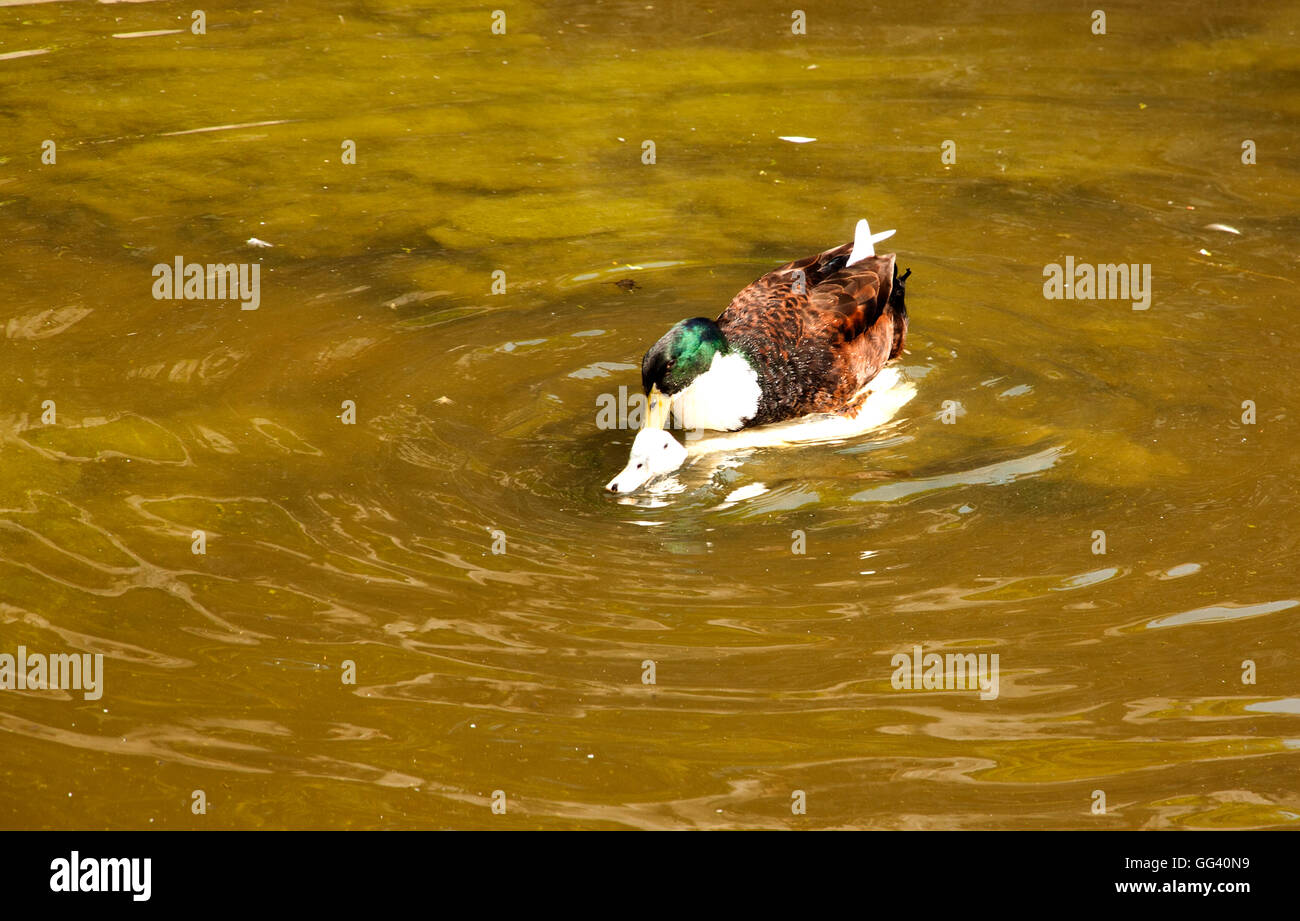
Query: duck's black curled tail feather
[(899, 310)]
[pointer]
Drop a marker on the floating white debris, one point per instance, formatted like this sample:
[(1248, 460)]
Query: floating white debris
[(796, 139), (149, 34), (1224, 227), (253, 241)]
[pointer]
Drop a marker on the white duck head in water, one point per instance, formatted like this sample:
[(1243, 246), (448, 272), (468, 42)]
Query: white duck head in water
[(654, 453)]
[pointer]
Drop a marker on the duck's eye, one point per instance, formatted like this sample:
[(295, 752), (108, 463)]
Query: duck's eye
[(639, 466)]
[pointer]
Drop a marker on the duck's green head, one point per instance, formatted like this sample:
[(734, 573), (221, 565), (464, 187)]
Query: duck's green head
[(683, 353)]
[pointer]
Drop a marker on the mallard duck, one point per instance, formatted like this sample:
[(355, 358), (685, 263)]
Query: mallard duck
[(804, 338)]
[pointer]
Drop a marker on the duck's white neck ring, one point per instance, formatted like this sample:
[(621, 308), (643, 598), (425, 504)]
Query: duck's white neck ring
[(723, 398)]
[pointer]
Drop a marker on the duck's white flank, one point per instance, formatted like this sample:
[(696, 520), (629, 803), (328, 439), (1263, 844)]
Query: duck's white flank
[(656, 452), (885, 395), (864, 242), (723, 398)]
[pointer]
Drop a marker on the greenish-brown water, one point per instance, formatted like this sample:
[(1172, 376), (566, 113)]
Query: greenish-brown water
[(969, 524)]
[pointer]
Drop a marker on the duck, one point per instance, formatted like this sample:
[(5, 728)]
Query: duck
[(806, 338)]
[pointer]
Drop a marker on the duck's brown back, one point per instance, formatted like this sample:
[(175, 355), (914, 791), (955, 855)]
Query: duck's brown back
[(817, 331)]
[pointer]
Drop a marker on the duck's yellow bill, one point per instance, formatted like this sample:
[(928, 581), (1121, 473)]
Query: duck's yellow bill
[(657, 410)]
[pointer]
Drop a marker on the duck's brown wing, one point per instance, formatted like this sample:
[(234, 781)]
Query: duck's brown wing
[(855, 319), (817, 330)]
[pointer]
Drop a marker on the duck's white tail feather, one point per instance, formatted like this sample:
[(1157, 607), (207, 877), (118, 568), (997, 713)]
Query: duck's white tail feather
[(864, 242)]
